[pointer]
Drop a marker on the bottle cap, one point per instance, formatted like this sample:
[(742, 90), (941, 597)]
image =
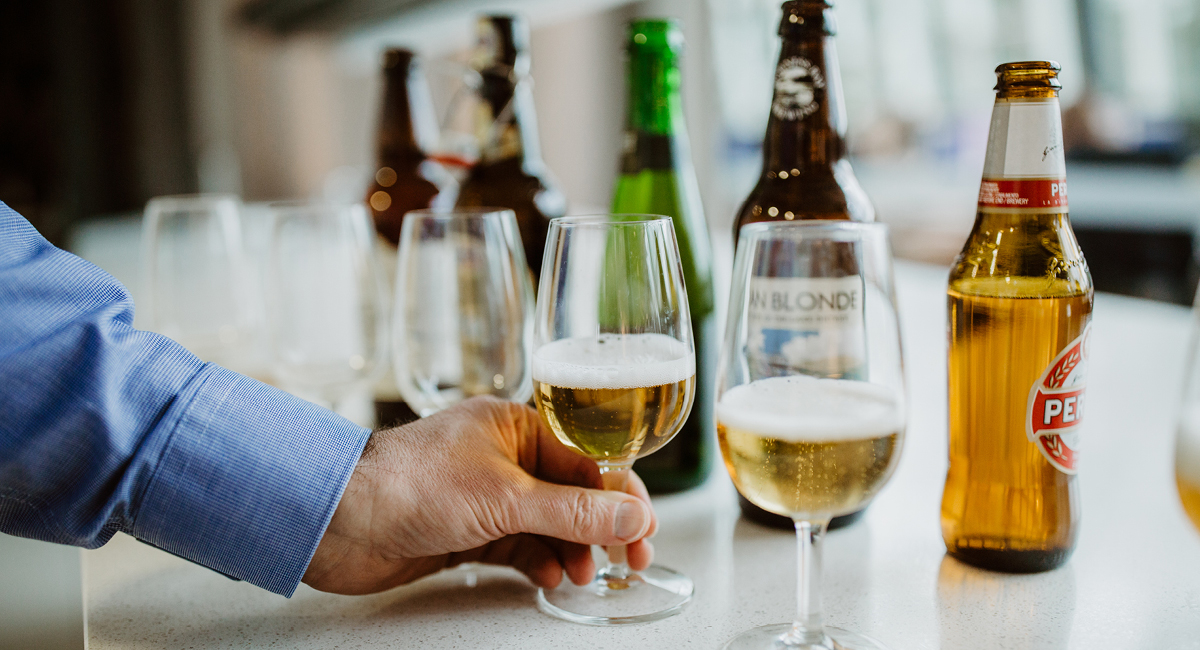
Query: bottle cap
[(1027, 74), (801, 16)]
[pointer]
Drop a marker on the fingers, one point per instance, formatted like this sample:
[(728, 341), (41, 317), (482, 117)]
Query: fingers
[(550, 460), (537, 561), (638, 489), (577, 560), (639, 554), (558, 463), (581, 515), (528, 554)]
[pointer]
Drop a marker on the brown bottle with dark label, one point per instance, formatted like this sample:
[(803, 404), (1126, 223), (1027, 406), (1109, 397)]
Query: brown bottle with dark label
[(806, 173)]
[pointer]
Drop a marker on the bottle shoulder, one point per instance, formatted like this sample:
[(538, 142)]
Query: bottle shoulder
[(519, 191), (509, 172), (1021, 256), (774, 199)]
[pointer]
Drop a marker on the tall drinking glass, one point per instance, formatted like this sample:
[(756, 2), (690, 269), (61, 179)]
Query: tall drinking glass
[(194, 272), (811, 407), (1187, 441), (463, 322), (323, 300), (614, 375)]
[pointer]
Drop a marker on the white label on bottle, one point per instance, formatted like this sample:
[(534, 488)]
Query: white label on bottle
[(806, 324), (796, 84), (1025, 141)]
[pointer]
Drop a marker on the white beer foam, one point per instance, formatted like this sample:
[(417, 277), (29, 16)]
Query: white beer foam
[(808, 409), (613, 361), (1187, 449)]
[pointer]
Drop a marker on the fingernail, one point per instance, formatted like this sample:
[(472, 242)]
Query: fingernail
[(631, 520)]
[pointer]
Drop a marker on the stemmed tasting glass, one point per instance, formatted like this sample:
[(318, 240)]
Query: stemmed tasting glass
[(811, 403), (614, 377), (194, 273), (323, 295), (463, 322), (1187, 441)]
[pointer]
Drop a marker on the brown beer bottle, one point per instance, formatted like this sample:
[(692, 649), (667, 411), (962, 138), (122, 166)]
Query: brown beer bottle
[(1020, 300), (806, 174), (405, 179), (510, 172)]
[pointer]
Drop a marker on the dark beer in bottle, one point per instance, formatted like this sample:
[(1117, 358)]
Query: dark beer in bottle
[(657, 178), (1020, 300), (806, 175), (510, 172), (405, 179)]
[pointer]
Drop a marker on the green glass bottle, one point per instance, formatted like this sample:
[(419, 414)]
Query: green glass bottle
[(657, 177)]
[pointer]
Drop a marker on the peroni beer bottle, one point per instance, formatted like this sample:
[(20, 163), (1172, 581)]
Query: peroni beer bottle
[(1020, 300)]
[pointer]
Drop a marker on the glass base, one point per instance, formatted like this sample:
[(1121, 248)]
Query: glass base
[(770, 637), (649, 595)]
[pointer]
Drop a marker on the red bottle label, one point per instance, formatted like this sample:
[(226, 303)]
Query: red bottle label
[(1056, 400), (1034, 195)]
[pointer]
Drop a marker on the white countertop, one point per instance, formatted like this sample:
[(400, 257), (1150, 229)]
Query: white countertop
[(1134, 581)]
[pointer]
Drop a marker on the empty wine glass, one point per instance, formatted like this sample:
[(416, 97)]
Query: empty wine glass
[(194, 273), (323, 294), (463, 318)]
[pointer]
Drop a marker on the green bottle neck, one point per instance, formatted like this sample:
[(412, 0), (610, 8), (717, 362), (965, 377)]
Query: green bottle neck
[(655, 102)]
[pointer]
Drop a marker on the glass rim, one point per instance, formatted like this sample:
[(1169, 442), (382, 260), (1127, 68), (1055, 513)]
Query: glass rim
[(605, 219), (817, 225), (198, 197), (311, 204), (452, 214)]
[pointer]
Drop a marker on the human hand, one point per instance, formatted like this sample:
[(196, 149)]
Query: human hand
[(484, 481)]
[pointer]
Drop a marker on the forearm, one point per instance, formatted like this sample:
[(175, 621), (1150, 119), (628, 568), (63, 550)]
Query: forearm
[(104, 428)]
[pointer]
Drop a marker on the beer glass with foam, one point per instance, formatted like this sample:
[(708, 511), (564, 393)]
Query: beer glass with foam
[(614, 373), (811, 408)]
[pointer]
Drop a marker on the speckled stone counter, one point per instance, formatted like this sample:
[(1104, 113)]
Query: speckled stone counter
[(1134, 581)]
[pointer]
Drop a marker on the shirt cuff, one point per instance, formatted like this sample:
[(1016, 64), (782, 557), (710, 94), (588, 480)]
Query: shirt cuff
[(248, 480)]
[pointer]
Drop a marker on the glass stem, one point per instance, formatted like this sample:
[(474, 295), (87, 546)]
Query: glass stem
[(807, 628), (616, 574)]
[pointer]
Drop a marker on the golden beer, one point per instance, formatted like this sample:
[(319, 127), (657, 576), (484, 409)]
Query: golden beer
[(1187, 464), (1004, 504), (614, 398), (1020, 301), (809, 448)]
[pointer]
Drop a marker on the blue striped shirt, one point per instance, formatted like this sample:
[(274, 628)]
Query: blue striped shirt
[(105, 428)]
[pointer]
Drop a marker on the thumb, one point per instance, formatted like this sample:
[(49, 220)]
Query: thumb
[(583, 516)]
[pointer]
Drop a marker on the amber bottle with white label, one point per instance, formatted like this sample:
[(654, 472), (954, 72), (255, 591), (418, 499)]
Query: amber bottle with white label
[(1020, 303), (806, 175)]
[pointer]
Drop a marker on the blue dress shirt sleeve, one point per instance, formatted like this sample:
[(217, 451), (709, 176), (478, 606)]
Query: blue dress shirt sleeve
[(105, 428)]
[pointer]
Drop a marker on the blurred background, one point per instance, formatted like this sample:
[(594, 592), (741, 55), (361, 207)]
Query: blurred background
[(107, 103)]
